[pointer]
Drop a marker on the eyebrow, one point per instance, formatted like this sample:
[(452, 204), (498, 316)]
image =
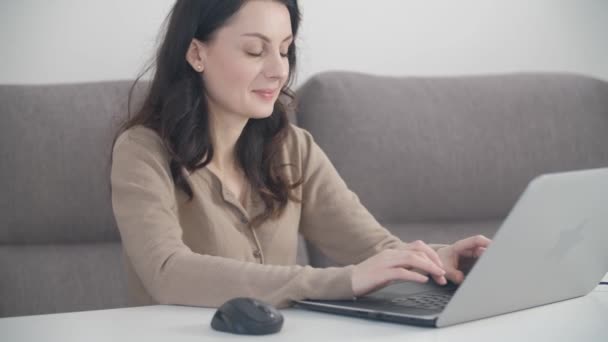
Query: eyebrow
[(263, 37)]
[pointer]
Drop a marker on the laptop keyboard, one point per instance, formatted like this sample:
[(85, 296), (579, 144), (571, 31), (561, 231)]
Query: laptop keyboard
[(429, 301)]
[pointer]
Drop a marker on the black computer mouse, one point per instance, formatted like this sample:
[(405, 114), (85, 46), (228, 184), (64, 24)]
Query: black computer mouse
[(247, 316)]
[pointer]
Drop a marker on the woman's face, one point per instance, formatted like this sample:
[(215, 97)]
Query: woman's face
[(245, 64)]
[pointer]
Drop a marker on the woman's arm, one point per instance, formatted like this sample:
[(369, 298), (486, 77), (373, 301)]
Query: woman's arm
[(333, 218), (143, 199)]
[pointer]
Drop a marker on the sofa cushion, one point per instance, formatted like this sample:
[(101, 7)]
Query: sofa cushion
[(55, 147), (453, 148), (39, 279)]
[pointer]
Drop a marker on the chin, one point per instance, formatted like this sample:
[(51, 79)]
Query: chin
[(261, 113)]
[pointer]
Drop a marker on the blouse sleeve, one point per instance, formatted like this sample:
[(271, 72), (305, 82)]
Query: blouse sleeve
[(333, 218)]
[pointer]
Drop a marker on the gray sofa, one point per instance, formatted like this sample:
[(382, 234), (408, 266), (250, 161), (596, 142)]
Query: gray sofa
[(432, 158)]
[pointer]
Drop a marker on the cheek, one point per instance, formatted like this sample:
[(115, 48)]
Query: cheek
[(234, 73)]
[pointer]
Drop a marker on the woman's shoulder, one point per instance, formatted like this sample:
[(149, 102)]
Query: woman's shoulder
[(138, 138), (301, 150), (298, 139), (138, 134)]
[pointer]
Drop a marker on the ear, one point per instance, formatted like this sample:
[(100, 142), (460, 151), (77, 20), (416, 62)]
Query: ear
[(196, 55)]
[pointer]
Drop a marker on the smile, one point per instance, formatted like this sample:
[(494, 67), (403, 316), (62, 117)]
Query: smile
[(265, 94)]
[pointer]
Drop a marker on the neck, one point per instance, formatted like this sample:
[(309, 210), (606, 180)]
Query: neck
[(225, 131)]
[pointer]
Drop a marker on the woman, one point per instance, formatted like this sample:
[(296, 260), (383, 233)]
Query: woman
[(211, 184)]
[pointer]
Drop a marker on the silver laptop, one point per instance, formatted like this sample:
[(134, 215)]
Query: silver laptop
[(552, 246)]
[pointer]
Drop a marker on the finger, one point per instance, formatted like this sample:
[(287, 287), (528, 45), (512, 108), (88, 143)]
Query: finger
[(471, 243), (469, 253), (422, 262), (406, 275), (441, 280), (479, 251), (419, 245), (455, 275), (475, 252)]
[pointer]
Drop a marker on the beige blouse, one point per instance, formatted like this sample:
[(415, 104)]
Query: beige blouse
[(203, 252)]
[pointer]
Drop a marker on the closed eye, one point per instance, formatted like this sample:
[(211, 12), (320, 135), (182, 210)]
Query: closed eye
[(253, 54)]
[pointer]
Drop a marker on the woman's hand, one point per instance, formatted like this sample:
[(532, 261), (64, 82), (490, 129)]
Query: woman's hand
[(460, 255), (410, 264)]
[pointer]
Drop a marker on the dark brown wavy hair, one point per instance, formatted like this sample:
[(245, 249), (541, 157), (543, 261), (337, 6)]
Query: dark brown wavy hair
[(175, 107)]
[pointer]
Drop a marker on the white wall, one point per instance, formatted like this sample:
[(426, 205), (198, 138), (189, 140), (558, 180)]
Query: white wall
[(56, 41), (439, 37)]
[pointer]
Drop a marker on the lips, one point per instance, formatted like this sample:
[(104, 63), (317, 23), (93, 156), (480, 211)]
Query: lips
[(266, 94)]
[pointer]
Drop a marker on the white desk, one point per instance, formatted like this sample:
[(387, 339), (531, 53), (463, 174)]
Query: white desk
[(582, 319)]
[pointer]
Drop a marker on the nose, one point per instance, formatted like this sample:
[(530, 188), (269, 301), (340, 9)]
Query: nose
[(276, 66)]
